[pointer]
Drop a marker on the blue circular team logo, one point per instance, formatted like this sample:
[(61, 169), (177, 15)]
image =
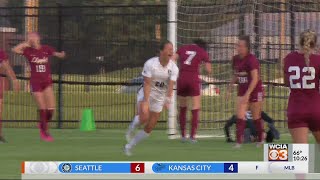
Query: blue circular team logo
[(66, 167)]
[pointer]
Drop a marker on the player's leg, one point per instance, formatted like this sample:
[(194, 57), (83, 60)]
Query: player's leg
[(255, 108), (227, 126), (182, 92), (41, 104), (316, 135), (241, 124), (50, 107), (196, 104), (2, 139), (136, 122), (182, 115), (299, 135), (143, 134)]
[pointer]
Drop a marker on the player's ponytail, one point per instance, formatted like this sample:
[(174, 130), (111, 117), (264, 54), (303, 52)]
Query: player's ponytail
[(308, 41)]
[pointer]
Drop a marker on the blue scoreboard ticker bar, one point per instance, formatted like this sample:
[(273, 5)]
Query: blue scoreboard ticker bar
[(157, 168), (94, 168), (195, 168)]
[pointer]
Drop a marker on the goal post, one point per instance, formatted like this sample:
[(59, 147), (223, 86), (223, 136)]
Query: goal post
[(172, 36)]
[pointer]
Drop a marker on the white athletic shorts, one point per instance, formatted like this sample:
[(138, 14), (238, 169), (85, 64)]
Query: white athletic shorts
[(154, 105)]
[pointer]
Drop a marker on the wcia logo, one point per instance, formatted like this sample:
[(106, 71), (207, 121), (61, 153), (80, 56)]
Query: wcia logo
[(66, 167)]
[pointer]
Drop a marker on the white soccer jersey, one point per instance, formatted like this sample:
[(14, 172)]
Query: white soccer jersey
[(160, 77)]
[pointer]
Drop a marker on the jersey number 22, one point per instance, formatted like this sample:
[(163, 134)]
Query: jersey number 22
[(305, 78), (191, 55)]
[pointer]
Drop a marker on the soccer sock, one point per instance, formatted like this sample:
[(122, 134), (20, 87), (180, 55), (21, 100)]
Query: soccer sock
[(134, 124), (49, 117), (194, 123), (183, 120), (259, 127), (241, 124), (139, 137), (50, 114), (266, 118), (229, 123), (43, 119)]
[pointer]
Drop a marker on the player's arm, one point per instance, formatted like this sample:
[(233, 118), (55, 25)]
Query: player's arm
[(60, 55), (18, 49), (207, 65), (172, 81), (146, 88), (10, 74)]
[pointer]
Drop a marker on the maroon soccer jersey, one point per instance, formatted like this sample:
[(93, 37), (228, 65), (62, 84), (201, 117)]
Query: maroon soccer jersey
[(191, 57), (242, 68), (39, 62), (3, 56), (304, 101)]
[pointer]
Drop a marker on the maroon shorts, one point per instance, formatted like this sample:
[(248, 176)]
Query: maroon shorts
[(256, 96), (40, 85), (303, 111), (188, 87), (308, 120)]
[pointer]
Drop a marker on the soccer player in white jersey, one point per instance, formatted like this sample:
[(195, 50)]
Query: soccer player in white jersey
[(160, 74)]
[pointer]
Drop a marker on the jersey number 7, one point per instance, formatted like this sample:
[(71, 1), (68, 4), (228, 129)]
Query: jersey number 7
[(191, 55)]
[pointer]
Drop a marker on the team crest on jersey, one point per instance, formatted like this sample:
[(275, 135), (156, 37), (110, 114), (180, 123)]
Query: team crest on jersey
[(169, 71)]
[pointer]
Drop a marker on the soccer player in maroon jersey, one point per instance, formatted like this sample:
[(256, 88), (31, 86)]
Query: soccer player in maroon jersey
[(250, 92), (190, 57), (41, 82), (10, 73), (302, 75)]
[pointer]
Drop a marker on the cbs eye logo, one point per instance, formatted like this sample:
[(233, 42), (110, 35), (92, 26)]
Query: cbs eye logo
[(278, 152)]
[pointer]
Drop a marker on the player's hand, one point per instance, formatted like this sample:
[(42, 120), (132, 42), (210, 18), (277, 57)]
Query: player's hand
[(63, 54), (27, 44), (245, 99), (144, 107), (16, 85), (167, 102)]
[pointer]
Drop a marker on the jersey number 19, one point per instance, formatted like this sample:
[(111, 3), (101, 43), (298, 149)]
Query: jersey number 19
[(40, 68)]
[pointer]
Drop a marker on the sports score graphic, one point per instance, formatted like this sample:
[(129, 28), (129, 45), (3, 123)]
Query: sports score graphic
[(278, 152)]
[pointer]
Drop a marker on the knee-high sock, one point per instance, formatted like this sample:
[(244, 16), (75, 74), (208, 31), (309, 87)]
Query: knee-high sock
[(49, 117), (138, 138), (134, 124), (183, 120), (43, 119), (194, 123), (50, 114), (266, 118), (229, 123), (259, 129), (241, 124)]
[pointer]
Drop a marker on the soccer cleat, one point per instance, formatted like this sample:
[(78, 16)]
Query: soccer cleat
[(127, 150), (193, 141), (229, 140), (2, 140), (237, 146), (183, 139)]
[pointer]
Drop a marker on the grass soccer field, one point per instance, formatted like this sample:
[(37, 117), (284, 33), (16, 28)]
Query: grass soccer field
[(106, 145)]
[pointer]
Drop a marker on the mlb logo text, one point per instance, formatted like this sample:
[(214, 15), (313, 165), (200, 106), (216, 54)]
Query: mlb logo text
[(278, 152)]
